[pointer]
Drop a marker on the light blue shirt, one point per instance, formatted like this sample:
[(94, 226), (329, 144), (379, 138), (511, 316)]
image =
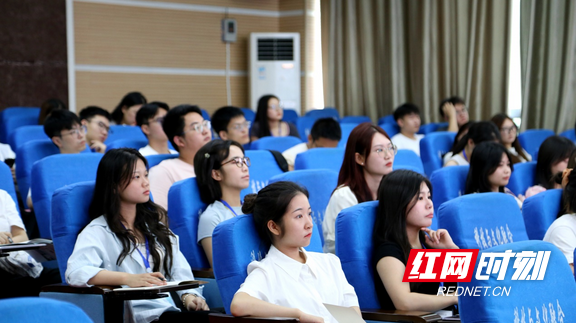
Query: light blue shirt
[(97, 248)]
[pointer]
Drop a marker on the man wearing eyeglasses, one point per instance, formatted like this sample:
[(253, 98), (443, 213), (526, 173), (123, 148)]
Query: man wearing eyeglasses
[(188, 132), (455, 112), (149, 118), (230, 124), (97, 122)]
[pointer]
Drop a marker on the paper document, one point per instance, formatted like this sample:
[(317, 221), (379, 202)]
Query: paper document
[(168, 284), (344, 314)]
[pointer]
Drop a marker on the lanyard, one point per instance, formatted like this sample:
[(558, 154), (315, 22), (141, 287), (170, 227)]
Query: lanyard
[(144, 259), (464, 153), (228, 206)]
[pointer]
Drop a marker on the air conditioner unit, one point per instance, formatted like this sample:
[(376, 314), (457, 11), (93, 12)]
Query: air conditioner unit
[(275, 68)]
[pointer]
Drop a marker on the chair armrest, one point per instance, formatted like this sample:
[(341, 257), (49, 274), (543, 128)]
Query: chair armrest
[(400, 316), (224, 318), (203, 273), (65, 288)]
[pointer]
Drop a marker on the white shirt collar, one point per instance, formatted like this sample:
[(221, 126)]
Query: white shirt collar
[(290, 266)]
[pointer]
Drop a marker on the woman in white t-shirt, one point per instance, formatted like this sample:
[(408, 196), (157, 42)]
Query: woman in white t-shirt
[(369, 155), (289, 281), (221, 173), (477, 133)]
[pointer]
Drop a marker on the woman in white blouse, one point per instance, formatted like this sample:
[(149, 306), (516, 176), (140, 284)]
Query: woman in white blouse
[(369, 155), (289, 281), (127, 244)]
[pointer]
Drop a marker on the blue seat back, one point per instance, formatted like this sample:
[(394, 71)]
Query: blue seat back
[(263, 168), (7, 183), (124, 132), (320, 184), (235, 243), (387, 119), (28, 154), (448, 183), (482, 220), (354, 226), (10, 125), (127, 143), (539, 211), (304, 125), (523, 176), (356, 120), (552, 299), (407, 159), (329, 158), (15, 112), (346, 129), (432, 147), (290, 116), (184, 213), (324, 113), (275, 143), (54, 172), (391, 129), (249, 114), (570, 134), (531, 139), (154, 160), (205, 114), (25, 134), (37, 309), (428, 128), (70, 206)]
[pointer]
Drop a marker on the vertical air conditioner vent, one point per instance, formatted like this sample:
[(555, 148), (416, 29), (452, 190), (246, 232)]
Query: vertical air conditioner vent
[(275, 49)]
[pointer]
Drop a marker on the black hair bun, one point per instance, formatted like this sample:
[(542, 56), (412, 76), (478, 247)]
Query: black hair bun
[(249, 203)]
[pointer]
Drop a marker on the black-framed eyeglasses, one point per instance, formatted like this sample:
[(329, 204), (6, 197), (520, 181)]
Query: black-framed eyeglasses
[(509, 129), (239, 161)]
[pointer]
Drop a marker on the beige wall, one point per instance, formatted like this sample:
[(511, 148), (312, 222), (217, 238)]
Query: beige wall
[(135, 36)]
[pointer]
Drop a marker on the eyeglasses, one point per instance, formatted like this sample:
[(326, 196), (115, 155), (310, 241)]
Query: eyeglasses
[(392, 149), (160, 120), (509, 129), (241, 126), (275, 107), (76, 131), (239, 161), (103, 126), (199, 127), (464, 110)]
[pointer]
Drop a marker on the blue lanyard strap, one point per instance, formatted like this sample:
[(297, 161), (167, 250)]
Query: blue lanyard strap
[(229, 207), (144, 259)]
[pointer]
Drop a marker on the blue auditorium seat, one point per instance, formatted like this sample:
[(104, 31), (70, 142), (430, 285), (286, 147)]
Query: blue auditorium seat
[(24, 134), (54, 172), (275, 143), (323, 113), (432, 147), (356, 120), (387, 119), (205, 114), (429, 128), (127, 143), (290, 116), (249, 114), (482, 220), (263, 168), (35, 309), (28, 154), (15, 112), (390, 128), (7, 183), (448, 183), (320, 184), (523, 176), (539, 211), (124, 132), (570, 134), (407, 159), (552, 299), (329, 158), (304, 125), (154, 160), (235, 244), (531, 139), (11, 124), (346, 129)]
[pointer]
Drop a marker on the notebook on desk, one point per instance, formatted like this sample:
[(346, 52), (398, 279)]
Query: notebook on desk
[(344, 314), (192, 283), (40, 249)]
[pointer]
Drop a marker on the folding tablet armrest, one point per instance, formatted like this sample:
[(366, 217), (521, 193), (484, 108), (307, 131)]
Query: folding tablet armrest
[(224, 318), (400, 316), (203, 273)]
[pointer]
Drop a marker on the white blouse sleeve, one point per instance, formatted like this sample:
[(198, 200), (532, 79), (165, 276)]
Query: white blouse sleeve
[(349, 297), (88, 256), (258, 283), (341, 199), (564, 238), (181, 269)]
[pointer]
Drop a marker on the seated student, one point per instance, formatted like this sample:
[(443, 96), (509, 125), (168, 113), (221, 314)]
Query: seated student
[(125, 111), (461, 133), (290, 281), (229, 123), (325, 133), (405, 212), (454, 111), (21, 274), (222, 173), (368, 157), (97, 122), (187, 131), (490, 170), (126, 244), (478, 132), (407, 117), (47, 107), (562, 232), (268, 121), (149, 118), (553, 157), (509, 134)]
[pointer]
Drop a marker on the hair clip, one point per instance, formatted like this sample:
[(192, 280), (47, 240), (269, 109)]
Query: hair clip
[(206, 155)]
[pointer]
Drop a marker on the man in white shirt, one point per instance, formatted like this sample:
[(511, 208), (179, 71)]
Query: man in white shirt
[(149, 118), (97, 122), (188, 132), (325, 133), (229, 123), (407, 117)]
